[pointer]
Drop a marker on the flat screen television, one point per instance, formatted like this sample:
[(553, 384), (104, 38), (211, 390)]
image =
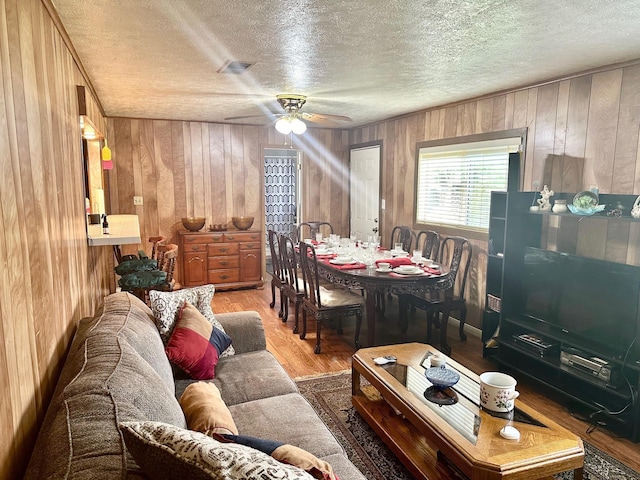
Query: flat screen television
[(585, 300)]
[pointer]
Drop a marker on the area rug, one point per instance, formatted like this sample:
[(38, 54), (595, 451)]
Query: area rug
[(330, 396)]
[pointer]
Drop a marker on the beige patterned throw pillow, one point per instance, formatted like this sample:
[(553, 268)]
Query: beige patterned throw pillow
[(166, 305), (164, 451)]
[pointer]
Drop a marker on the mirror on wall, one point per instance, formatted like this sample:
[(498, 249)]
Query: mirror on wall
[(93, 155), (94, 178)]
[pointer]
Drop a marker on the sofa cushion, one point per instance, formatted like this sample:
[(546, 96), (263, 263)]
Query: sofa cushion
[(195, 344), (167, 452), (246, 377), (205, 410), (287, 419), (165, 307)]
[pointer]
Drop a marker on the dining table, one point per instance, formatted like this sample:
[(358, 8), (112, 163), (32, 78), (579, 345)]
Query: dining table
[(374, 282)]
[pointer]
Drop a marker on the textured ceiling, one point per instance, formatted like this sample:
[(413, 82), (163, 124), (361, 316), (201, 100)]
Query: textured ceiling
[(368, 59)]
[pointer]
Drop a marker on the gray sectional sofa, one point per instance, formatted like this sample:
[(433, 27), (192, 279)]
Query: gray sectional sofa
[(116, 371)]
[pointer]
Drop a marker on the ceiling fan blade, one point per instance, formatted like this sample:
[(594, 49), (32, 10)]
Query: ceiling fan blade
[(268, 116), (325, 119)]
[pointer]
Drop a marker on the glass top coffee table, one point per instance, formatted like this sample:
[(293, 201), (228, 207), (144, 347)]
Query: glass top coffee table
[(438, 441)]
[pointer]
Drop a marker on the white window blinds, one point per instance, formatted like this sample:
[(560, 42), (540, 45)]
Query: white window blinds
[(454, 182)]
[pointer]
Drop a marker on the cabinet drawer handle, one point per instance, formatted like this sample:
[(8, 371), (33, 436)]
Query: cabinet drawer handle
[(224, 263), (224, 249), (195, 258), (197, 248), (229, 237), (250, 246), (251, 255), (224, 277)]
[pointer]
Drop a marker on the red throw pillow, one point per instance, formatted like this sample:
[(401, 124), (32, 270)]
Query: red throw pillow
[(195, 344)]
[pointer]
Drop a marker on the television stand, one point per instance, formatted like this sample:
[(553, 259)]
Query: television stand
[(543, 331)]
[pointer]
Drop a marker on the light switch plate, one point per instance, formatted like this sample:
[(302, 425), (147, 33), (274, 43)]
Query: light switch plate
[(382, 204), (137, 200)]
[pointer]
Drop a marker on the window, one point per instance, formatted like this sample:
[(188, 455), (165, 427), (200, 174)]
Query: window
[(454, 182)]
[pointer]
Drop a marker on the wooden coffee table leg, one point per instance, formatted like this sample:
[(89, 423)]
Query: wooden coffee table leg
[(577, 473)]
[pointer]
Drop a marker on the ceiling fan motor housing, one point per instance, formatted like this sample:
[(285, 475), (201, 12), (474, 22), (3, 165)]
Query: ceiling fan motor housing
[(291, 103)]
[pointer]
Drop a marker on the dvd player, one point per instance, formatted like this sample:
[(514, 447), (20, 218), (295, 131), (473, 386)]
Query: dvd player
[(595, 366)]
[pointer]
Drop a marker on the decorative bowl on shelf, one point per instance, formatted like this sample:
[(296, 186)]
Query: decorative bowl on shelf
[(586, 203), (193, 224), (242, 223)]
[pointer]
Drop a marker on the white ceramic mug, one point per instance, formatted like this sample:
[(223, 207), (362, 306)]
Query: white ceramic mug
[(497, 391)]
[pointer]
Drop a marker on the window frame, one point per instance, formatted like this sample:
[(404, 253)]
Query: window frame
[(514, 177)]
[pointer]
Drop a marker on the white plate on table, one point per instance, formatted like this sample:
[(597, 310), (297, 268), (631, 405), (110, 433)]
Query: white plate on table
[(342, 261), (408, 270), (384, 270)]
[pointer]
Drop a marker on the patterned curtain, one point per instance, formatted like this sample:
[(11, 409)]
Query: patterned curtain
[(280, 191)]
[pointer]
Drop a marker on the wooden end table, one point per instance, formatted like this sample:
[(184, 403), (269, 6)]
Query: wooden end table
[(455, 441)]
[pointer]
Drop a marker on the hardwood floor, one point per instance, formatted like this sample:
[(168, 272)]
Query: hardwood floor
[(298, 359)]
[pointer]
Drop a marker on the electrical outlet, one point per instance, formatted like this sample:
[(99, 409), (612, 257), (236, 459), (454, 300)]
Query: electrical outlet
[(137, 200)]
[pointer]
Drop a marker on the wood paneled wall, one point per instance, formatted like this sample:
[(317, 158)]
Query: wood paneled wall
[(217, 171), (582, 131), (49, 278)]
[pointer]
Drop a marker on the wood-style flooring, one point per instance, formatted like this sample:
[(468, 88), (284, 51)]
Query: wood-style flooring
[(298, 359)]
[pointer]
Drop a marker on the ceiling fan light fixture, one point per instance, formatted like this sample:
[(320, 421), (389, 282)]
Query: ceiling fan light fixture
[(284, 125), (298, 126)]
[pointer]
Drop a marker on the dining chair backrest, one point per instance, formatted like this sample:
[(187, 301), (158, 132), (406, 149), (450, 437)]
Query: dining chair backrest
[(309, 264), (289, 263), (456, 252), (402, 234), (314, 227), (428, 242)]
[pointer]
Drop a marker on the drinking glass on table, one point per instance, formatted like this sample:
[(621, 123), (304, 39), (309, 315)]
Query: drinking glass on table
[(417, 256), (397, 247), (319, 237)]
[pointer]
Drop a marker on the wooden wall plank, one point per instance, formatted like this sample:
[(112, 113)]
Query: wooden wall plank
[(601, 129), (625, 166)]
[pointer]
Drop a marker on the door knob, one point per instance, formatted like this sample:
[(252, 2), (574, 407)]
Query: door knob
[(374, 229), (375, 220)]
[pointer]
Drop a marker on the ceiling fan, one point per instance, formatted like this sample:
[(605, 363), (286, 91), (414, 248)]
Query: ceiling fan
[(292, 120)]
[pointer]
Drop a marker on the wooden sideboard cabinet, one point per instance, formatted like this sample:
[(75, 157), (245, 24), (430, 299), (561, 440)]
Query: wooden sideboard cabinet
[(230, 259)]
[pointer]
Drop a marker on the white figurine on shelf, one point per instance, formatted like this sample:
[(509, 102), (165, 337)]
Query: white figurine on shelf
[(544, 202)]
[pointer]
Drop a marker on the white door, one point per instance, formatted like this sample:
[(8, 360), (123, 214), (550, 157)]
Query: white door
[(365, 190)]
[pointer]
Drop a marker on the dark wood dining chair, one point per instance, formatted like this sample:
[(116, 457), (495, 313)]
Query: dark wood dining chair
[(293, 282), (399, 234), (314, 227), (322, 303), (277, 276), (456, 252), (404, 235), (428, 242)]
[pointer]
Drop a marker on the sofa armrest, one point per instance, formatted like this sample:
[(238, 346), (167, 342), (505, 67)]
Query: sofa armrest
[(245, 330)]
